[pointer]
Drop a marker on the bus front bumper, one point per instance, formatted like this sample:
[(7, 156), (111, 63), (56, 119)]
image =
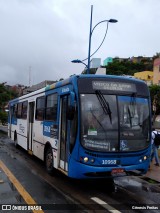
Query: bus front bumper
[(80, 170)]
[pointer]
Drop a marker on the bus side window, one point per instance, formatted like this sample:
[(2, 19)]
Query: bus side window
[(51, 107), (14, 111), (40, 107), (24, 109), (19, 111)]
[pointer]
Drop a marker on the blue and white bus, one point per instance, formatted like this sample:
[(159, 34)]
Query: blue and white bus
[(87, 126)]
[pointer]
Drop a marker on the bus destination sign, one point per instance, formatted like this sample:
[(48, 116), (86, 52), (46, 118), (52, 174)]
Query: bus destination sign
[(114, 86)]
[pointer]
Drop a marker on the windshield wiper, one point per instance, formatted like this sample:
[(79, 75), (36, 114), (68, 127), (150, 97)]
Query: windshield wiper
[(130, 117), (104, 104), (133, 102), (97, 119)]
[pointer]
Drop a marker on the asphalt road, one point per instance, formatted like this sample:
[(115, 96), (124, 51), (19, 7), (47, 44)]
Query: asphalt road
[(62, 194), (39, 190)]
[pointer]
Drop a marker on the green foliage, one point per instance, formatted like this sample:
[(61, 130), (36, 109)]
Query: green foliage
[(126, 68), (92, 71), (3, 117), (6, 94)]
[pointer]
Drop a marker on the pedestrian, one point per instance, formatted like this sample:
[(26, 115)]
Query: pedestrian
[(154, 153)]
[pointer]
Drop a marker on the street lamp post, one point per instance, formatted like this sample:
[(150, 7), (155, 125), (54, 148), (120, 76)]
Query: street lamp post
[(79, 62), (90, 36)]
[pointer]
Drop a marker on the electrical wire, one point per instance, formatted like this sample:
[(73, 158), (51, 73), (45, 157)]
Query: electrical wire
[(99, 45)]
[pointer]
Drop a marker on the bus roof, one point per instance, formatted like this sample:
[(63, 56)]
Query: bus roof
[(71, 79)]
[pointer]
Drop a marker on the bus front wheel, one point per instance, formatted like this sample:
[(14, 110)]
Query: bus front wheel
[(49, 160)]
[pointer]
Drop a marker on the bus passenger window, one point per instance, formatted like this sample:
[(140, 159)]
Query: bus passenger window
[(51, 108), (14, 111), (40, 106), (19, 112), (24, 109)]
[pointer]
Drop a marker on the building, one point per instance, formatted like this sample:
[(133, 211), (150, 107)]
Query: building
[(18, 88), (101, 71), (37, 86), (143, 59), (95, 63), (146, 76), (156, 71), (107, 60), (121, 59)]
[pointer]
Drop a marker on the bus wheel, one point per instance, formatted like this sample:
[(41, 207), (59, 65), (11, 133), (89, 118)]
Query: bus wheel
[(49, 160)]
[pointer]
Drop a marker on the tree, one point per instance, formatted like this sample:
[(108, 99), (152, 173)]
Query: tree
[(6, 94), (157, 55), (125, 67), (3, 117), (91, 71)]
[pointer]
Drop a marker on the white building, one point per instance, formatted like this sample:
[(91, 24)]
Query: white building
[(95, 63)]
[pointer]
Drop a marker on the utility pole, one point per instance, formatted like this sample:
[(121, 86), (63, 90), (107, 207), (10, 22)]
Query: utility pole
[(30, 68)]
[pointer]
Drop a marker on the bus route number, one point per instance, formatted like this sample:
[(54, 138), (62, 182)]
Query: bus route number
[(104, 162)]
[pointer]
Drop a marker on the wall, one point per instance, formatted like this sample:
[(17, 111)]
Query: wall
[(146, 76), (156, 70)]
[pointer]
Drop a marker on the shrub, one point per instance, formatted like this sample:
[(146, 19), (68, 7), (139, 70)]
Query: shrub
[(3, 117)]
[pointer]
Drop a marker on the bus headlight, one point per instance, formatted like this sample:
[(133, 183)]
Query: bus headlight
[(145, 157), (85, 159)]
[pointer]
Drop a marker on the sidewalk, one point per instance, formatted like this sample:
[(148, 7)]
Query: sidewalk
[(153, 172), (3, 128)]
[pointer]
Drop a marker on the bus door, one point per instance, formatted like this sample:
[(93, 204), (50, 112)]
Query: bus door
[(64, 132), (30, 125)]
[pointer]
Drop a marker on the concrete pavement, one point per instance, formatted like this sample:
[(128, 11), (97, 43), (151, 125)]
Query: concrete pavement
[(153, 172), (3, 128)]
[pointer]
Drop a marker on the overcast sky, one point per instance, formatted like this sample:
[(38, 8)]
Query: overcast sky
[(42, 37)]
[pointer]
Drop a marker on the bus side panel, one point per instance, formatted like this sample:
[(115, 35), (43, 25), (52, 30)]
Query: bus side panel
[(38, 145), (13, 130), (21, 129)]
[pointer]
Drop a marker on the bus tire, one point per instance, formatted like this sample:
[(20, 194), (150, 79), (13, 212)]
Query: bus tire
[(49, 160)]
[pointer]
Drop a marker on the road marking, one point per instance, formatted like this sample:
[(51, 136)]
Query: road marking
[(105, 205), (26, 196)]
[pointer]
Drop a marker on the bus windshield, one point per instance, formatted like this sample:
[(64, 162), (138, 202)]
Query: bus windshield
[(111, 123)]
